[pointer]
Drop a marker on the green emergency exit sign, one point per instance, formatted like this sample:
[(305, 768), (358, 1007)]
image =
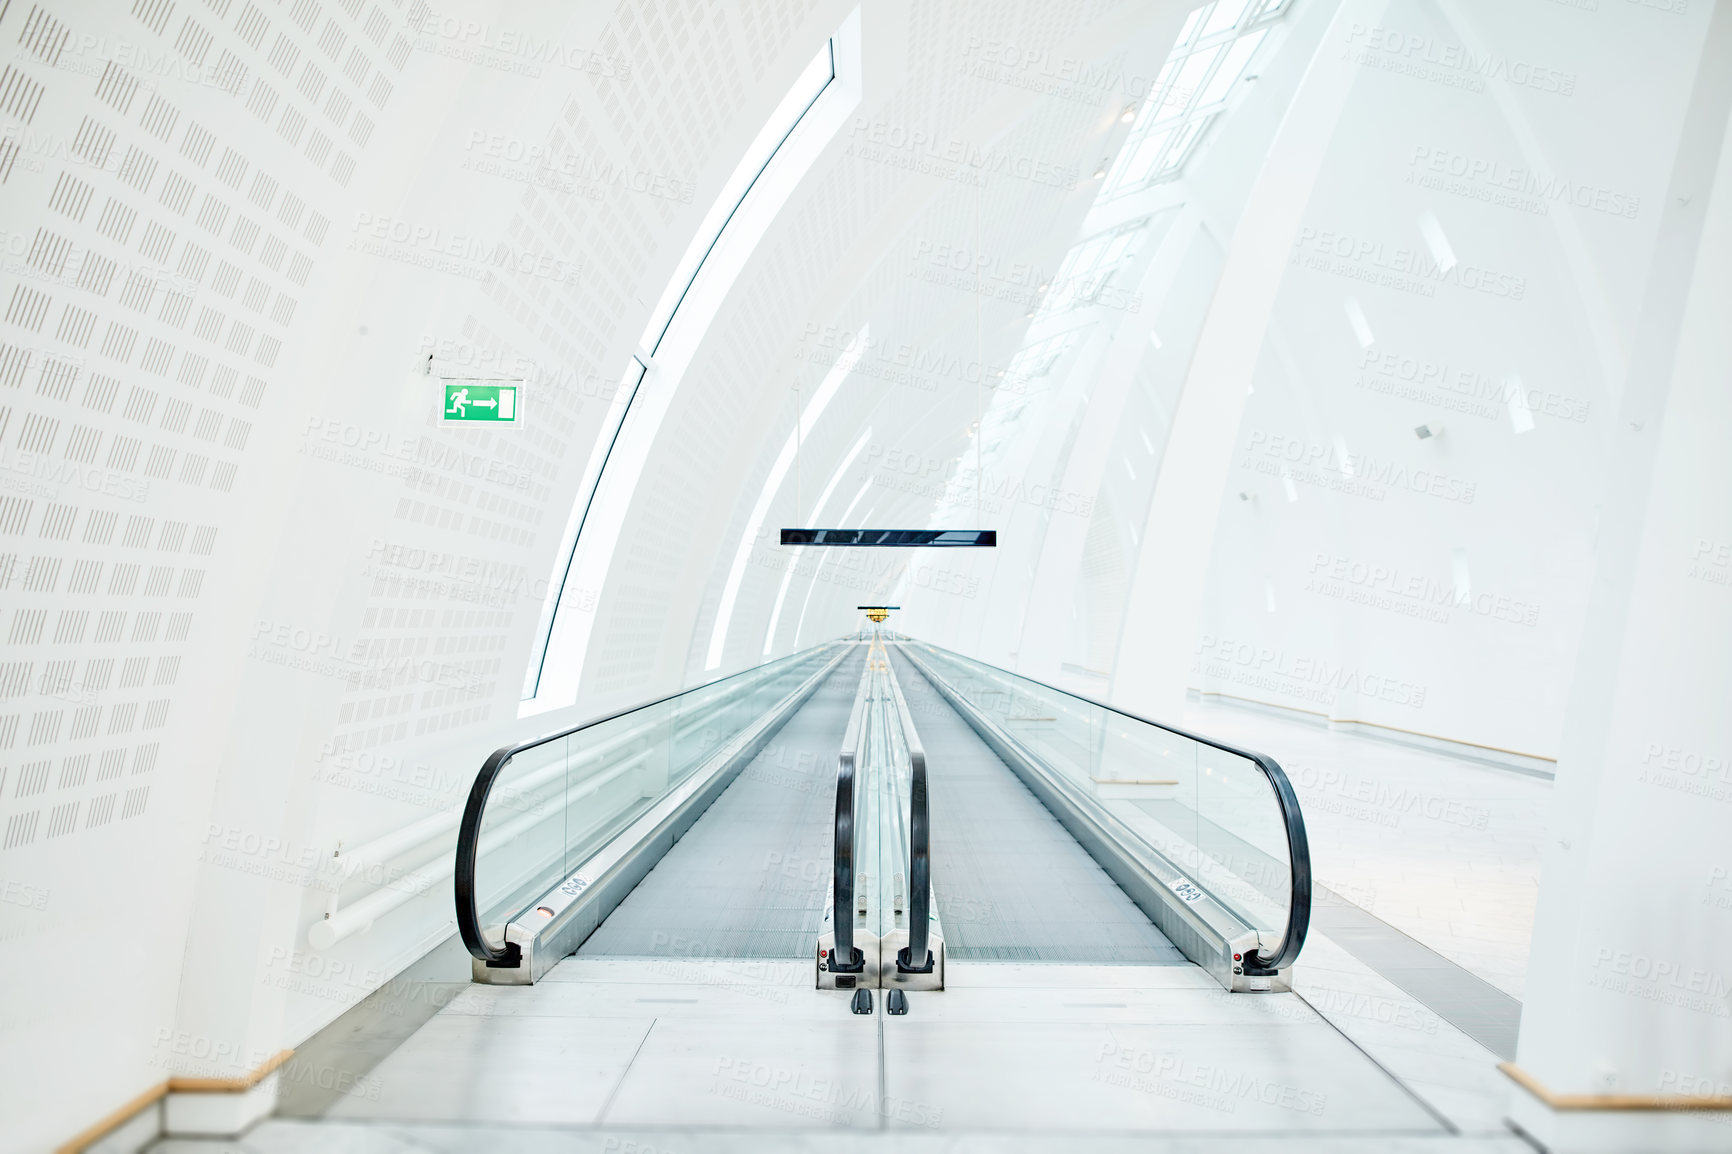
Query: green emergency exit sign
[(480, 402)]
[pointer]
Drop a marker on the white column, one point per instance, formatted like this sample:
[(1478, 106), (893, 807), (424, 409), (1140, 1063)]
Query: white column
[(1630, 988), (1178, 541)]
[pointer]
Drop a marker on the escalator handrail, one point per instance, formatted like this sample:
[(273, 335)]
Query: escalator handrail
[(842, 860), (842, 873), (916, 957), (1298, 846), (469, 830)]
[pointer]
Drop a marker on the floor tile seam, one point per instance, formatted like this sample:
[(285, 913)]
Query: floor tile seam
[(631, 963), (1080, 991), (1199, 993), (607, 1103), (1444, 1120), (624, 959), (1320, 1026), (662, 1014), (883, 1123), (1138, 1023), (1202, 981), (1131, 1134), (600, 955)]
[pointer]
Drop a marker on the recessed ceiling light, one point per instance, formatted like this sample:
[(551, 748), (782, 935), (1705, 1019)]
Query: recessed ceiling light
[(1129, 114)]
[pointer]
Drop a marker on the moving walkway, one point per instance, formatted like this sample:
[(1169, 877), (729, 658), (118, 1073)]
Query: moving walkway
[(883, 809)]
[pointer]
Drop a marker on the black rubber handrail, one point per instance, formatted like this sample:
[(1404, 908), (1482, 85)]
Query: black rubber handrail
[(507, 955), (842, 874), (1298, 846), (842, 870), (919, 845)]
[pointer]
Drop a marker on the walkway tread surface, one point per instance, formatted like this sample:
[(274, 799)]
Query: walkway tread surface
[(750, 878), (1011, 883)]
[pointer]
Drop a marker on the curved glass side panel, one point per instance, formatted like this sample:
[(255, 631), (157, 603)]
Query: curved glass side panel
[(1214, 813), (554, 803)]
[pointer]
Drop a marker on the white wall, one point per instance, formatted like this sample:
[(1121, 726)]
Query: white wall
[(313, 198), (1438, 585), (1629, 987)]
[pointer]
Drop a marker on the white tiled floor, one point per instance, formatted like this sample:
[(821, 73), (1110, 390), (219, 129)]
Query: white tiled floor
[(1008, 1052), (466, 1068), (1445, 850), (1074, 1077), (766, 1074), (285, 1137), (1453, 1075)]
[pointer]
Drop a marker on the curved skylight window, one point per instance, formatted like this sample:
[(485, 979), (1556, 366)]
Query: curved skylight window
[(1089, 267), (803, 122), (1210, 56), (772, 485), (816, 77), (811, 522)]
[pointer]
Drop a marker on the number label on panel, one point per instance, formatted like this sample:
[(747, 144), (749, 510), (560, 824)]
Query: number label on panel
[(574, 886), (1188, 893)]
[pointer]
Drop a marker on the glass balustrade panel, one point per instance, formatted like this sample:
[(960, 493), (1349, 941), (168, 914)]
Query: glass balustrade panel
[(1242, 838), (521, 831), (1213, 814), (554, 806)]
